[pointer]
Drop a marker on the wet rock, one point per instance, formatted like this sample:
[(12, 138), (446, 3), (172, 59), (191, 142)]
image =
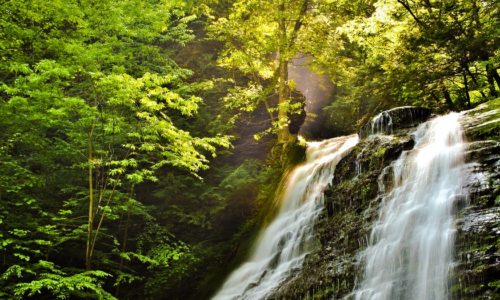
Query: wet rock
[(477, 273), (480, 220), (483, 122), (459, 201)]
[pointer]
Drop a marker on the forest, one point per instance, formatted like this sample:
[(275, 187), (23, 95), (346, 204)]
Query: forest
[(143, 141)]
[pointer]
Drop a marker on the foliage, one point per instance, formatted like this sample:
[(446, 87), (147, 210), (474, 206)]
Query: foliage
[(439, 54), (112, 112), (260, 38), (92, 105)]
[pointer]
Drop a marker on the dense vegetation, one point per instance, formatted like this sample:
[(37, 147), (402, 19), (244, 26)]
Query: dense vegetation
[(113, 111)]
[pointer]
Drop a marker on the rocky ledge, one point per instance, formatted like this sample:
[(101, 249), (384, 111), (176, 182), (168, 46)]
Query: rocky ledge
[(477, 273), (391, 120)]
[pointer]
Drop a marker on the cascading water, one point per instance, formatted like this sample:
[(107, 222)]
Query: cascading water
[(282, 246), (382, 123), (411, 244), (399, 117)]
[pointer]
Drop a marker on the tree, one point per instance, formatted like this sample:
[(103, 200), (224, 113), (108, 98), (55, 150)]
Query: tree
[(92, 106), (261, 37), (439, 54)]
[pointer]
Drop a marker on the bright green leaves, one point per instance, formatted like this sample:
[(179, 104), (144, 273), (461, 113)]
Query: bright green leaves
[(92, 106), (244, 98), (151, 93), (387, 53), (63, 287), (260, 40), (151, 133), (249, 33), (44, 276), (160, 256)]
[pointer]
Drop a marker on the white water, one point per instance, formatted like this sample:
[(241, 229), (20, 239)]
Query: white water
[(282, 246), (410, 255), (381, 123)]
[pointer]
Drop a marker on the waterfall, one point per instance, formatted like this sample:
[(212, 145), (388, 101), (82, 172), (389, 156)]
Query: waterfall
[(410, 254), (283, 245), (389, 120), (381, 123)]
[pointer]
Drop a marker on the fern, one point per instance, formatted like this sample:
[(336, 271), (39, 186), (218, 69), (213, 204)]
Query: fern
[(88, 284)]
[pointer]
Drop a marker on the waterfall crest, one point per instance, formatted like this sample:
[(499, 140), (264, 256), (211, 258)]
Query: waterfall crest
[(282, 246), (389, 120), (410, 255)]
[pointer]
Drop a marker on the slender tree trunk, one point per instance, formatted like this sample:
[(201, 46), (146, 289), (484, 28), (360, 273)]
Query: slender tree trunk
[(476, 84), (90, 225), (286, 44), (124, 246), (466, 87), (496, 76), (491, 80), (447, 98), (283, 132), (493, 73), (125, 236)]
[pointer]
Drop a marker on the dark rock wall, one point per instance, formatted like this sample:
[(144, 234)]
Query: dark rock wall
[(352, 202), (477, 273)]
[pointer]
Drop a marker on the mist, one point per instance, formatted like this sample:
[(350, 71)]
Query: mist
[(317, 89)]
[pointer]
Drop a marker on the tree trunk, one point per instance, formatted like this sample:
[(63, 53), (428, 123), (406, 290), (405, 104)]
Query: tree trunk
[(491, 80), (90, 224), (447, 98), (466, 87), (124, 246), (493, 73), (283, 95), (283, 132), (496, 76), (476, 84)]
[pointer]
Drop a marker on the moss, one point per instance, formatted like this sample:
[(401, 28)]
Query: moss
[(380, 152), (495, 285), (491, 130), (322, 294), (490, 124), (294, 153)]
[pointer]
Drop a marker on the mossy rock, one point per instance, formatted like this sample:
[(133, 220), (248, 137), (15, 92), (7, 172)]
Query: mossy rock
[(483, 122)]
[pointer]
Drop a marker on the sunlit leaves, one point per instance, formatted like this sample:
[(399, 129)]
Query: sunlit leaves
[(88, 85), (243, 98), (387, 53)]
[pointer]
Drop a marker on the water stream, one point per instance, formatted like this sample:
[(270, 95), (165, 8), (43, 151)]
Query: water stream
[(410, 254), (282, 246)]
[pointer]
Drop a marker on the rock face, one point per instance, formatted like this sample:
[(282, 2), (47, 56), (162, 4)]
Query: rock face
[(477, 274), (352, 202)]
